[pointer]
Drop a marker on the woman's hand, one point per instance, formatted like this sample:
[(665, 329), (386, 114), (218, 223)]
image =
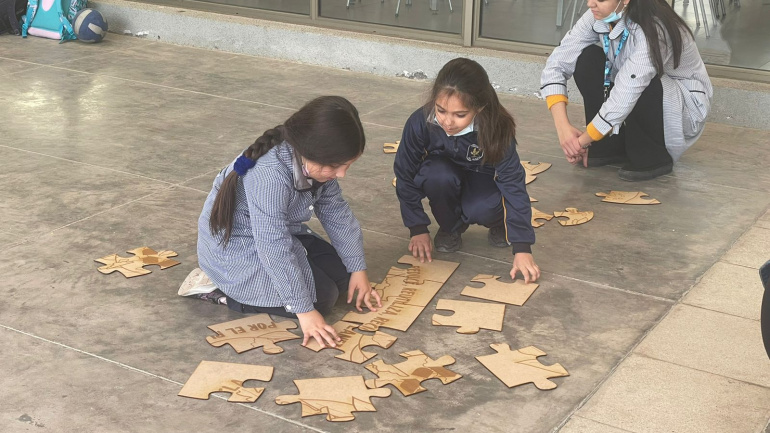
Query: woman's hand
[(585, 141), (524, 263), (314, 325), (360, 281), (421, 246), (569, 139)]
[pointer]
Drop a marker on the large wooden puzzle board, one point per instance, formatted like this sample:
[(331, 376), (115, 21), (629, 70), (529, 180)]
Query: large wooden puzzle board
[(251, 332), (517, 367), (470, 316), (404, 294), (407, 376), (212, 376), (337, 397), (134, 266), (515, 293), (353, 342)]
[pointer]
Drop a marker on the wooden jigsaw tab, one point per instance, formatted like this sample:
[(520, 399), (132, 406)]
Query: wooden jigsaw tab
[(517, 367), (470, 316), (391, 147), (353, 342), (515, 293), (536, 215), (134, 266), (626, 197), (337, 397), (212, 376), (251, 332), (532, 170), (574, 216), (407, 376)]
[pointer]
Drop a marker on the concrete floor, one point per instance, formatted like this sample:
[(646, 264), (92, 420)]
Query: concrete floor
[(113, 146)]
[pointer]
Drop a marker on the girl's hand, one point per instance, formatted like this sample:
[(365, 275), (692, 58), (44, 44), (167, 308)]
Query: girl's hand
[(569, 139), (360, 281), (524, 263), (314, 325), (421, 246)]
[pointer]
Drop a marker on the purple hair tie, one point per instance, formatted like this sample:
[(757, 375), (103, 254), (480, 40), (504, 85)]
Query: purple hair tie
[(243, 164)]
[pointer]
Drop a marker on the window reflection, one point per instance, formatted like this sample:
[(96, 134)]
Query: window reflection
[(435, 15)]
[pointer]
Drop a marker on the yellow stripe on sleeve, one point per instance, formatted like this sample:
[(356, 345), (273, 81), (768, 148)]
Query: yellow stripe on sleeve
[(593, 132), (553, 99)]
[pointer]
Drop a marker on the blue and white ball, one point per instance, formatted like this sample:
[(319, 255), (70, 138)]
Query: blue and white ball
[(89, 25)]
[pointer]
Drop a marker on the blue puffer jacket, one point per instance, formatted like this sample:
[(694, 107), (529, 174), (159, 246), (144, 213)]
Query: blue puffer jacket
[(421, 138)]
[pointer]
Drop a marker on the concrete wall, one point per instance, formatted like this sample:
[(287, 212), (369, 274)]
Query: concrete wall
[(735, 102)]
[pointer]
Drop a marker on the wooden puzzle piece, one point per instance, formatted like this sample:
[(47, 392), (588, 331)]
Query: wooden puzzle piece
[(133, 266), (470, 316), (515, 293), (532, 170), (521, 366), (574, 216), (404, 293), (337, 397), (391, 147), (213, 376), (252, 332), (353, 342), (626, 197), (407, 376), (536, 215)]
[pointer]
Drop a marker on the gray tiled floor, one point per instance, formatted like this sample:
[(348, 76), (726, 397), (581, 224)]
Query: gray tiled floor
[(102, 157)]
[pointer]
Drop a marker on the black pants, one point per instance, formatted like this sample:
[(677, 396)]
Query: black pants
[(641, 137), (330, 275), (459, 197)]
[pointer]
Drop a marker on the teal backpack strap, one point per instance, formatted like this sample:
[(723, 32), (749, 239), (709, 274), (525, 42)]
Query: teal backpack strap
[(31, 10), (67, 32)]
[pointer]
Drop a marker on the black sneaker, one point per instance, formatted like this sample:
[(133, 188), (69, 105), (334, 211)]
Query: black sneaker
[(601, 161), (447, 242), (630, 174), (496, 237)]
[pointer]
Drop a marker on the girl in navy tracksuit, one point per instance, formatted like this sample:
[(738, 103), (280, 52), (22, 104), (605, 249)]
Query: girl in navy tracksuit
[(459, 150)]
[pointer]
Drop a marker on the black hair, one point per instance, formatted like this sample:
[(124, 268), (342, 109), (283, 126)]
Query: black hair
[(468, 80), (659, 21), (326, 130)]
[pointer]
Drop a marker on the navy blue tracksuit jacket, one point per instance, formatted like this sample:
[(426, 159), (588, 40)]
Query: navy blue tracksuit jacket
[(422, 138)]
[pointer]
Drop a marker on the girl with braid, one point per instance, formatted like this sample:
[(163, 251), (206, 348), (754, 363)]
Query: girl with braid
[(254, 251)]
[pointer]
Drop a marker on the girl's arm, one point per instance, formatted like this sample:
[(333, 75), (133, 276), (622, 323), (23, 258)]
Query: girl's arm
[(510, 176), (411, 152), (268, 191), (346, 237)]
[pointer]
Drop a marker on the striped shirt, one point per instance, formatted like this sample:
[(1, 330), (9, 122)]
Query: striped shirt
[(687, 90), (264, 264)]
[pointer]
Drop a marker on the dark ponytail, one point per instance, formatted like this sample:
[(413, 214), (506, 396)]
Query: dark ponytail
[(467, 80), (657, 18), (326, 130)]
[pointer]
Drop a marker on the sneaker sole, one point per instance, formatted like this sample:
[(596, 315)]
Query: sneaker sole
[(196, 283)]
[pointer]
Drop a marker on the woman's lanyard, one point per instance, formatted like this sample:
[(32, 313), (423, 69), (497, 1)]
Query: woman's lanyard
[(607, 65)]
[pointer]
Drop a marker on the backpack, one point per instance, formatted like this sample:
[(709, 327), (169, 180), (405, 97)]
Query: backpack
[(51, 18)]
